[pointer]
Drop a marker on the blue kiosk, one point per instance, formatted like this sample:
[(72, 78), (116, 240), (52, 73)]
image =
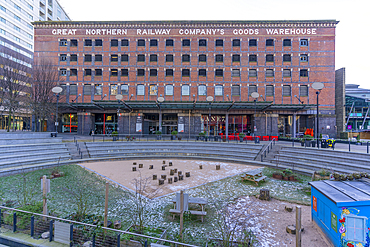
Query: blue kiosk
[(342, 210)]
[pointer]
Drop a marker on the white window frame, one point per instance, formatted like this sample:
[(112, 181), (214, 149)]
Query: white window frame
[(169, 90), (219, 90), (185, 90), (140, 90), (348, 228), (202, 90)]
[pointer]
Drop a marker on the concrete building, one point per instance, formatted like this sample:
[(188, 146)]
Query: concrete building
[(17, 35), (193, 76), (357, 107)]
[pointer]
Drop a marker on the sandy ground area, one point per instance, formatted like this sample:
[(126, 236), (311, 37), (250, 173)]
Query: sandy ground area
[(269, 220), (121, 172)]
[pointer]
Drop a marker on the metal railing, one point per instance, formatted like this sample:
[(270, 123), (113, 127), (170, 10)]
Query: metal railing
[(11, 222), (267, 149)]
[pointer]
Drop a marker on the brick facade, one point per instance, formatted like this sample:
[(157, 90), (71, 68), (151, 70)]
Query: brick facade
[(189, 61)]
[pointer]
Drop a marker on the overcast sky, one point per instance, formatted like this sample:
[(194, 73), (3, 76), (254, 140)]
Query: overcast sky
[(352, 32)]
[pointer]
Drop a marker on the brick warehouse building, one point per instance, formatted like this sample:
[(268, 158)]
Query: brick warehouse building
[(166, 71)]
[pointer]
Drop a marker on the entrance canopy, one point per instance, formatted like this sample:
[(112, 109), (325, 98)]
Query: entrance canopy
[(184, 105)]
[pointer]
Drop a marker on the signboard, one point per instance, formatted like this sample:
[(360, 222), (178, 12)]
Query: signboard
[(62, 232), (334, 220), (139, 124), (314, 203), (181, 125)]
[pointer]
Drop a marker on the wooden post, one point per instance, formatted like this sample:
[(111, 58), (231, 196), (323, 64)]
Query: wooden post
[(181, 212), (106, 204), (298, 227), (44, 194)]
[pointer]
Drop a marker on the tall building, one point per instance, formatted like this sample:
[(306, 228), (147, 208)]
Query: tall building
[(357, 108), (17, 35), (221, 77)]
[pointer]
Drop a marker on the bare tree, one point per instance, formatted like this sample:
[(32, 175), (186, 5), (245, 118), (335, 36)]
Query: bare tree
[(45, 77), (15, 83)]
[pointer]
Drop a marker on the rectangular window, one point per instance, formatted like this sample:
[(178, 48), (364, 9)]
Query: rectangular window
[(287, 58), (169, 58), (202, 90), (169, 90), (153, 58), (124, 72), (169, 72), (269, 73), (186, 58), (269, 42), (98, 72), (236, 58), (303, 57), (303, 73), (141, 58), (73, 72), (235, 73), (73, 58), (124, 58), (252, 89), (186, 42), (169, 42), (286, 90), (269, 90), (140, 90), (124, 89), (98, 42), (252, 42), (356, 228), (98, 89), (252, 73), (287, 73), (202, 72), (87, 57), (153, 72), (74, 42), (219, 42), (140, 72), (114, 43), (236, 42), (202, 58), (185, 90), (63, 72), (141, 42), (113, 89), (253, 58), (218, 90), (202, 42), (269, 58), (235, 90), (87, 72), (303, 90), (114, 72), (114, 58), (98, 58), (287, 42), (219, 72), (219, 58), (87, 89), (63, 42), (88, 42), (73, 89), (124, 42), (153, 89), (153, 42), (303, 42), (63, 57), (185, 72)]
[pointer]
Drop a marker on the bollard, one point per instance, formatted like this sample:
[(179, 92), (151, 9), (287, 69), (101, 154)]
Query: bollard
[(32, 226), (175, 179), (0, 217), (367, 144), (298, 227), (14, 222), (349, 146), (51, 230), (71, 235)]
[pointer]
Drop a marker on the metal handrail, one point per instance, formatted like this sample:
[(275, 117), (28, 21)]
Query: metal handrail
[(104, 228), (263, 150)]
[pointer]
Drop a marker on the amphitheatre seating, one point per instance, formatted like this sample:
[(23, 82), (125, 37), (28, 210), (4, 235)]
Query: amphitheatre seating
[(316, 159), (240, 151), (23, 156)]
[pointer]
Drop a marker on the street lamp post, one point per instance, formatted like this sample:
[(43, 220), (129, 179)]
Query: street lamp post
[(119, 97), (160, 100), (317, 86), (57, 90), (209, 99), (255, 95)]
